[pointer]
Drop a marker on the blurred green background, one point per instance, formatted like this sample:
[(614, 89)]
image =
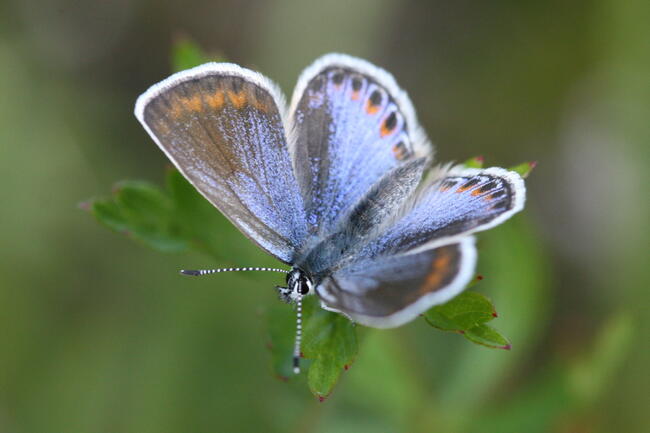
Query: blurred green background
[(100, 334)]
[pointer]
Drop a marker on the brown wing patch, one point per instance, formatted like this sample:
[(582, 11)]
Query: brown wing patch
[(436, 274), (387, 285)]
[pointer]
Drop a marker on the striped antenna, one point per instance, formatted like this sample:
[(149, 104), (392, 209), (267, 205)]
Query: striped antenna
[(296, 347), (200, 272)]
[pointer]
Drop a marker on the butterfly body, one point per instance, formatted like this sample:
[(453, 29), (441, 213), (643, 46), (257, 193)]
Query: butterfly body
[(340, 186)]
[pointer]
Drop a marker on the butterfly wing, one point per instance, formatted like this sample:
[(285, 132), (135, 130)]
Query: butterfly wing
[(424, 256), (350, 125), (392, 290), (450, 207), (222, 127)]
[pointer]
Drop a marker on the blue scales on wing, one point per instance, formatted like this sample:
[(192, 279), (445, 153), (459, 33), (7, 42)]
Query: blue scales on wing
[(222, 126), (351, 124), (424, 254), (449, 207)]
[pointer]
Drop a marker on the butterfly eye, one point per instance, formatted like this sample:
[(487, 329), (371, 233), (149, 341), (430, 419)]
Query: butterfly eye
[(303, 287)]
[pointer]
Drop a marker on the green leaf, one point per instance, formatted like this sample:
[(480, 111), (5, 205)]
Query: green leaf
[(142, 211), (462, 312), (524, 168), (186, 54), (330, 341), (108, 213), (329, 344), (476, 162), (467, 314), (487, 336)]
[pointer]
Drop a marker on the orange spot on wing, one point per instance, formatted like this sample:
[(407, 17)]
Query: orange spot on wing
[(193, 103), (238, 100), (385, 131), (355, 95), (399, 150), (476, 192), (371, 108), (215, 100), (467, 185), (494, 195), (438, 272)]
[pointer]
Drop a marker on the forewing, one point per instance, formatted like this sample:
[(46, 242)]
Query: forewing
[(392, 290), (222, 127), (350, 125), (449, 208)]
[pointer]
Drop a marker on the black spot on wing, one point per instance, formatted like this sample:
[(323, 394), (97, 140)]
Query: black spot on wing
[(488, 187), (317, 83), (375, 98), (356, 84), (337, 78), (391, 121)]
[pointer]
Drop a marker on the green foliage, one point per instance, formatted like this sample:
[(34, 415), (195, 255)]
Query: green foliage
[(524, 168), (467, 314), (331, 344), (167, 220), (187, 54), (476, 162), (144, 212)]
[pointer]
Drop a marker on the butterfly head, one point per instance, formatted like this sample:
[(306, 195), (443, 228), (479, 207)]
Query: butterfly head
[(299, 283)]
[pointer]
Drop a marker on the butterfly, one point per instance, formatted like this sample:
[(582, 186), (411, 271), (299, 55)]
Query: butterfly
[(340, 186)]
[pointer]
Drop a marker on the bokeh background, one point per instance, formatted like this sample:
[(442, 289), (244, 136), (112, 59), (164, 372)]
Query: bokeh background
[(100, 334)]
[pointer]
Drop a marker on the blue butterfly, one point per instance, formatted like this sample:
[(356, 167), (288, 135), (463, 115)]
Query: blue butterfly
[(340, 186)]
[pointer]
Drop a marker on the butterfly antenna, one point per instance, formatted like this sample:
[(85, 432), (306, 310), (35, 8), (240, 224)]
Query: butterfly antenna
[(296, 347), (200, 272)]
